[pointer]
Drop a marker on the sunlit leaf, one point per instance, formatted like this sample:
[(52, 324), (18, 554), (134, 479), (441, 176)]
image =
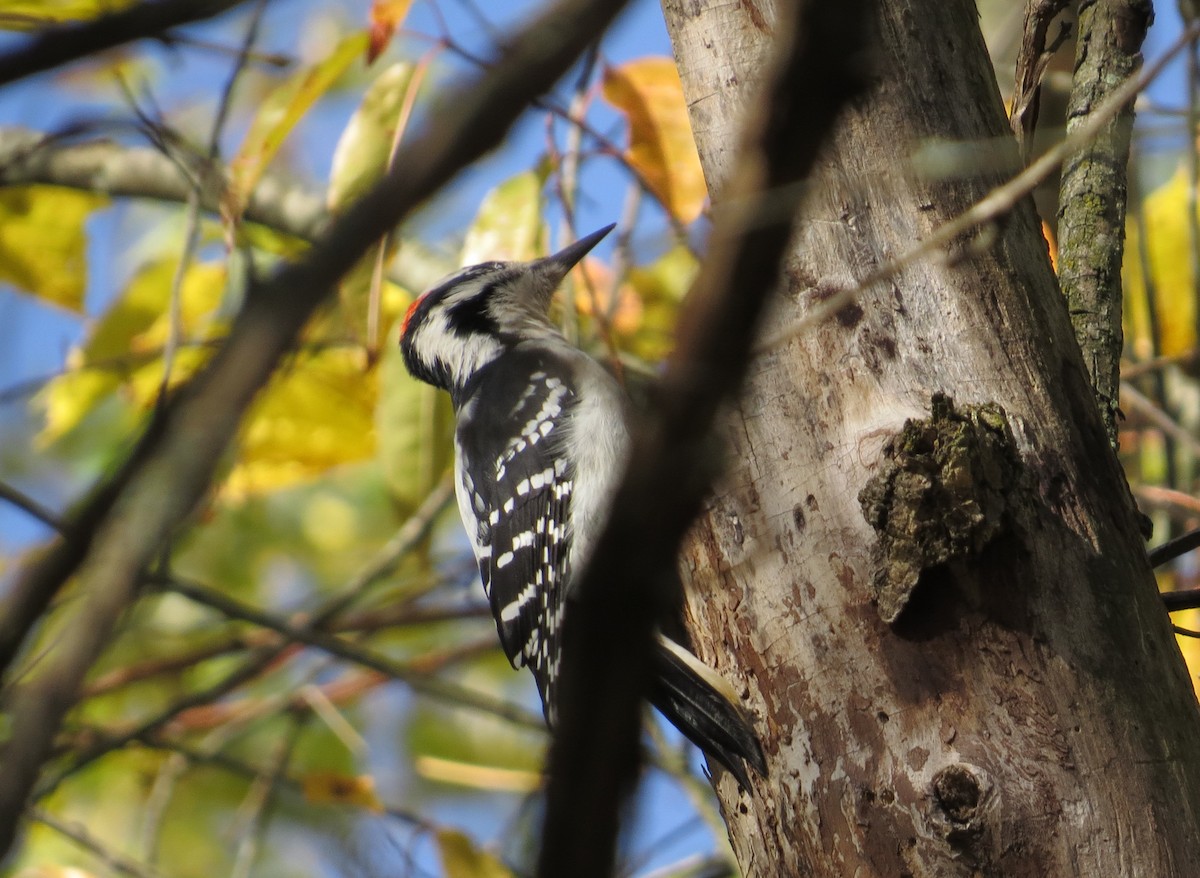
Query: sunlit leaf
[(508, 224), (327, 788), (475, 776), (362, 151), (462, 859), (124, 349), (31, 14), (621, 310), (1167, 245), (415, 423), (316, 413), (661, 148), (386, 16), (43, 243), (661, 286), (1189, 646), (359, 162), (278, 115), (1051, 243)]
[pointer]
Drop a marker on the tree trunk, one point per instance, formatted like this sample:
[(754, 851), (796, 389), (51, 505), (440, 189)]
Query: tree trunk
[(948, 631)]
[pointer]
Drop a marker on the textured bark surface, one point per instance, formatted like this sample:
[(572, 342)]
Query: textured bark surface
[(1093, 190), (1028, 712)]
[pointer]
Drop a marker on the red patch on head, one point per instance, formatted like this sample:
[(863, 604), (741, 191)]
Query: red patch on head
[(409, 313)]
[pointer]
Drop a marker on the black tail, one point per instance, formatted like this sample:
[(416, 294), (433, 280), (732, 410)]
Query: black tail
[(702, 705)]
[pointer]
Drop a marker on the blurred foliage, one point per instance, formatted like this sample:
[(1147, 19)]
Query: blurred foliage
[(43, 243), (334, 457), (32, 14), (309, 764)]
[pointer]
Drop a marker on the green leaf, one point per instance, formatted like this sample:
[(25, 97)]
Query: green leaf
[(278, 115), (362, 152), (359, 162), (462, 859), (661, 287), (31, 14), (508, 225), (43, 243), (415, 423)]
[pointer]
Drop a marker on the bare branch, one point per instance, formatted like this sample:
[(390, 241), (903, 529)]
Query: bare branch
[(57, 46)]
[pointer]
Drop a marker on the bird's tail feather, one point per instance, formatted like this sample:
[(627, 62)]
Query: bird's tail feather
[(702, 705)]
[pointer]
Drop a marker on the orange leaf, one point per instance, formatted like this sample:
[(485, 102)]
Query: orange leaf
[(329, 788), (661, 148), (386, 16)]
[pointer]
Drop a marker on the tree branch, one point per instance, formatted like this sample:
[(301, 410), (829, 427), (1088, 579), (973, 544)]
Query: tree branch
[(57, 46), (1092, 195), (29, 157), (172, 469), (607, 647)]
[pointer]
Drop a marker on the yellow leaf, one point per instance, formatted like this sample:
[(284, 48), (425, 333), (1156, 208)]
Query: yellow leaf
[(462, 859), (508, 225), (278, 115), (316, 413), (124, 348), (1164, 213), (1189, 646), (43, 243), (328, 788), (661, 286), (31, 14), (479, 777), (661, 148)]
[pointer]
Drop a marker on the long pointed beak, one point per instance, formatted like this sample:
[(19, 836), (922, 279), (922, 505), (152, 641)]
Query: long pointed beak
[(562, 261)]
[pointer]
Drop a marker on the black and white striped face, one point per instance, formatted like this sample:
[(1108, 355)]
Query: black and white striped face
[(450, 331), (469, 319)]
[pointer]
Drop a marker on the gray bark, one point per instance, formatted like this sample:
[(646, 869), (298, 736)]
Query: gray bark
[(1027, 712)]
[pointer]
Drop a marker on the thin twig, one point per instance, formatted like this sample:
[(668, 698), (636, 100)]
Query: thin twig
[(81, 836), (31, 507), (1142, 405), (992, 206)]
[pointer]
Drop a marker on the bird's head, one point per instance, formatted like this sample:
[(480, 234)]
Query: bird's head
[(468, 319)]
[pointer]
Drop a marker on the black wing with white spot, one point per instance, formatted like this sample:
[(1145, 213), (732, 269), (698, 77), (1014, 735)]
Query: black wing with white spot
[(520, 493)]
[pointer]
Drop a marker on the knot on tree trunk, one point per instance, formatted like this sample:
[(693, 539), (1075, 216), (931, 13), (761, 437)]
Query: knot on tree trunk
[(948, 489)]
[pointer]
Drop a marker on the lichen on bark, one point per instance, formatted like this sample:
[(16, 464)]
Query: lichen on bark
[(950, 486)]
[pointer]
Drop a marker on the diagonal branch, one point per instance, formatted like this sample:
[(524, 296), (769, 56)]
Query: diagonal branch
[(173, 468), (30, 157), (609, 640), (57, 46)]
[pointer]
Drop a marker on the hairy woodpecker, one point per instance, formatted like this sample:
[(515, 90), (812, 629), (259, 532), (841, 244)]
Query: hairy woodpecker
[(541, 439)]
